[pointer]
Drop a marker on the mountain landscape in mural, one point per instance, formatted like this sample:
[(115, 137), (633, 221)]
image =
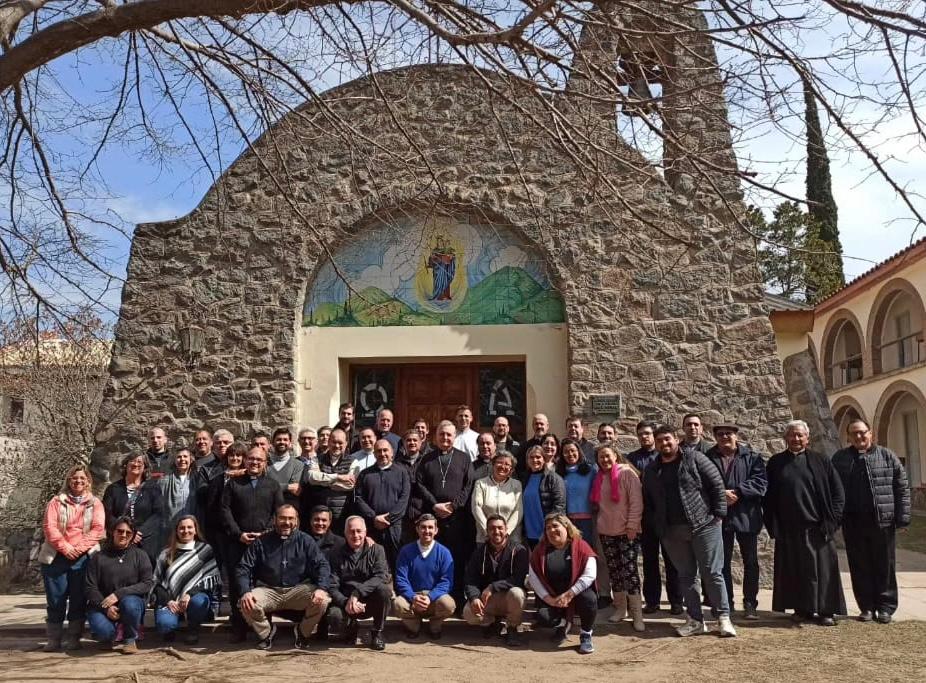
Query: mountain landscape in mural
[(434, 271)]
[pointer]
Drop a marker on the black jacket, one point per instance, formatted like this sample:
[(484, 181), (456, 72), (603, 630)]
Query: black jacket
[(249, 508), (747, 480), (414, 499), (699, 485), (357, 573), (552, 491), (827, 490), (330, 544), (283, 562), (888, 478), (147, 513), (381, 491), (511, 571)]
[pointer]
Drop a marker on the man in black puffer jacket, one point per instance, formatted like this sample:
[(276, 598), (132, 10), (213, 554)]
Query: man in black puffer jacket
[(684, 501), (877, 503)]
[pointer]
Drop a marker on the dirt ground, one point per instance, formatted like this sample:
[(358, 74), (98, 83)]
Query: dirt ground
[(773, 650)]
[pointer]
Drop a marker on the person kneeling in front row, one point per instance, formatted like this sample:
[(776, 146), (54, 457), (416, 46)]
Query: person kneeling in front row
[(283, 570), (423, 580), (494, 585), (118, 581), (360, 585), (562, 573)]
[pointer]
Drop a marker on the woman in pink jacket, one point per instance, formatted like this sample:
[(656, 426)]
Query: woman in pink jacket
[(617, 497), (74, 525)]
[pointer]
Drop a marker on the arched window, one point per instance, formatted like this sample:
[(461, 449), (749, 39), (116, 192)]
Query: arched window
[(897, 331), (842, 354)]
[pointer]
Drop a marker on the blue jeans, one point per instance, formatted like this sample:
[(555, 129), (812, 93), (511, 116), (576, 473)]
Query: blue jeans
[(196, 613), (694, 552), (131, 612), (64, 589)]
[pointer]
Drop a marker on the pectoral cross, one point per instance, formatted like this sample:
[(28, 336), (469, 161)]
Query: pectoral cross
[(284, 563)]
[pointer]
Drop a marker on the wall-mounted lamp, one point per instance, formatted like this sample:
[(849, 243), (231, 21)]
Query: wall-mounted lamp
[(192, 339)]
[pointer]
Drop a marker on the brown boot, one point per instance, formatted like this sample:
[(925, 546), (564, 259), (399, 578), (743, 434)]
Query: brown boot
[(636, 612)]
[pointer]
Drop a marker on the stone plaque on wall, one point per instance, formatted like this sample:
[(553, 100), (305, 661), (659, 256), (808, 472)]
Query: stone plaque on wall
[(607, 405)]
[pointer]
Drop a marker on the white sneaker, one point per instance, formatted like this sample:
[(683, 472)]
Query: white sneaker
[(691, 627), (726, 627)]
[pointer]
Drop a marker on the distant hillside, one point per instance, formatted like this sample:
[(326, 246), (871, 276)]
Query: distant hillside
[(509, 295), (494, 300)]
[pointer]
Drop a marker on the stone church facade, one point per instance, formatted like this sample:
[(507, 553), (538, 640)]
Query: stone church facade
[(649, 293)]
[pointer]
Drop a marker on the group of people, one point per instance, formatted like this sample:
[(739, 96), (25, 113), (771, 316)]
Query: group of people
[(356, 523)]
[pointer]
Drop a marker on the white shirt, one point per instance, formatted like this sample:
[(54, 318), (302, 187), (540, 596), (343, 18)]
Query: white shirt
[(363, 459), (466, 442), (425, 551)]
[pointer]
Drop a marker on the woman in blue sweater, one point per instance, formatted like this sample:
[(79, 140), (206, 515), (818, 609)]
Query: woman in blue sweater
[(579, 476)]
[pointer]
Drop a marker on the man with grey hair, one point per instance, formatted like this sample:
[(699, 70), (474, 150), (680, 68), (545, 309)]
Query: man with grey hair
[(360, 585), (802, 510), (308, 447), (444, 481), (384, 422)]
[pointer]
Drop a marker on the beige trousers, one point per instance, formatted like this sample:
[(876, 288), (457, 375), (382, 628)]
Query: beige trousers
[(509, 605), (294, 598), (437, 611)]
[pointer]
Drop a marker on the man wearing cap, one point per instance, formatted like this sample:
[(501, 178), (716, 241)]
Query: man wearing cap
[(744, 483)]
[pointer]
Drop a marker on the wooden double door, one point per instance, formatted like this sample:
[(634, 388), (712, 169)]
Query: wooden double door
[(434, 390)]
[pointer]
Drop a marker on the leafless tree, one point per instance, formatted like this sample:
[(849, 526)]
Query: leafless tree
[(56, 374), (190, 83)]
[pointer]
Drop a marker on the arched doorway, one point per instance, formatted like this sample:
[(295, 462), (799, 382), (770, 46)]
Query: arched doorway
[(901, 426), (845, 410)]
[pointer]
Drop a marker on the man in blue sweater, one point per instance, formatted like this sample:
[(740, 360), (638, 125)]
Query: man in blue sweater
[(423, 581)]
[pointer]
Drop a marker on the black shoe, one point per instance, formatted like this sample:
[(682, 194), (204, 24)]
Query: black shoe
[(884, 618), (492, 630), (351, 631), (376, 641), (676, 609), (191, 637), (267, 642), (826, 621), (320, 635), (168, 637), (799, 617), (302, 643), (436, 632), (513, 638), (866, 615), (650, 609), (559, 635)]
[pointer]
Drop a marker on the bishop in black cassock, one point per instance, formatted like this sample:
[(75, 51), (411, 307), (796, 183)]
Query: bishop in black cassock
[(446, 475)]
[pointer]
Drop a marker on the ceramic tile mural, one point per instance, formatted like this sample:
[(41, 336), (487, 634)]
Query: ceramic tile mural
[(434, 271)]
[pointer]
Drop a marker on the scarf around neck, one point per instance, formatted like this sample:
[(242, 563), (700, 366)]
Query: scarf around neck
[(595, 495)]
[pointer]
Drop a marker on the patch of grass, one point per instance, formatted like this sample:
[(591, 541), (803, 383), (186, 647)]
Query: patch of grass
[(914, 538)]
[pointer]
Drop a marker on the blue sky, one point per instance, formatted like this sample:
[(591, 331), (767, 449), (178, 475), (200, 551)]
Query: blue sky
[(873, 223)]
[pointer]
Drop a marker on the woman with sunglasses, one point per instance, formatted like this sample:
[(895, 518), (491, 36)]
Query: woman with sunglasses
[(118, 582)]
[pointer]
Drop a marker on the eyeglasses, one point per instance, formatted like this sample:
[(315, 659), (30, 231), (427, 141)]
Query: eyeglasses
[(726, 433)]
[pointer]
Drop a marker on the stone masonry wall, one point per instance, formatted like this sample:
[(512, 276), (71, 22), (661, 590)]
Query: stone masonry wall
[(662, 297)]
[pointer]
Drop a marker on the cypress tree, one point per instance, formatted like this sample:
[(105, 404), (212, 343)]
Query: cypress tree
[(824, 270)]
